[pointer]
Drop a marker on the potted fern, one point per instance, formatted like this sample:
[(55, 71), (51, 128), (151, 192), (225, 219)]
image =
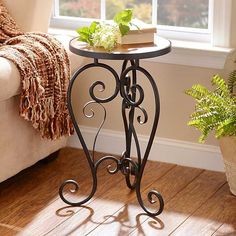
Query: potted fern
[(216, 111)]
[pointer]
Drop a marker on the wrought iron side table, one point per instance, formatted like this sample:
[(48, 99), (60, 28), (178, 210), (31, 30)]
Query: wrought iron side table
[(132, 97)]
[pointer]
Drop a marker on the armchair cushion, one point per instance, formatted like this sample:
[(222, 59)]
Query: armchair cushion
[(30, 15)]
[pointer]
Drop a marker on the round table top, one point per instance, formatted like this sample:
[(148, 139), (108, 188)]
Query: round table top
[(160, 47)]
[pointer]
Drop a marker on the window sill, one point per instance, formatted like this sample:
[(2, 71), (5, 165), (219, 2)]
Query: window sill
[(183, 53), (196, 54)]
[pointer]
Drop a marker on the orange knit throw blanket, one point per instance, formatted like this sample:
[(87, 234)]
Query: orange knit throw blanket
[(44, 68)]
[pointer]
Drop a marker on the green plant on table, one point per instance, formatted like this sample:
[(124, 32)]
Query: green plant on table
[(102, 34), (214, 110)]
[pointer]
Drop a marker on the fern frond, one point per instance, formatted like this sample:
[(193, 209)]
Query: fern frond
[(214, 110), (227, 127), (197, 91), (205, 133), (203, 115), (232, 81), (221, 86)]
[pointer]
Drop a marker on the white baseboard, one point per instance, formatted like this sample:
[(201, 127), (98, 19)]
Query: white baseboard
[(163, 149)]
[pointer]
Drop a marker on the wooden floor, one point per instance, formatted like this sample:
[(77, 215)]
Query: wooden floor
[(197, 202)]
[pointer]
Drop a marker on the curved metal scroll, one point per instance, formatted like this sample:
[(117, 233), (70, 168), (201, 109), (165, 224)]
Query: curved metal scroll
[(91, 115), (129, 102), (93, 167)]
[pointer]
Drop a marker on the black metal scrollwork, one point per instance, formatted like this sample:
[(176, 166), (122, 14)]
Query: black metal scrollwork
[(91, 115), (133, 96), (109, 167)]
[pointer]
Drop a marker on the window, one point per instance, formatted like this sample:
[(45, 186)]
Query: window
[(191, 17), (180, 13)]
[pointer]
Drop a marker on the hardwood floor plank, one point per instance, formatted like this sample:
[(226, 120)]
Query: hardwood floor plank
[(34, 177), (130, 217), (182, 205), (227, 229), (107, 204), (29, 197), (220, 208), (57, 212), (37, 191)]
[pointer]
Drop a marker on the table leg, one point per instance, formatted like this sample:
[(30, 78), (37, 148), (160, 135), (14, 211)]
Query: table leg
[(130, 90), (90, 157)]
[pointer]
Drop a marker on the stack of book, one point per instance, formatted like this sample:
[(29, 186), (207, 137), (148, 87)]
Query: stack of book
[(140, 32)]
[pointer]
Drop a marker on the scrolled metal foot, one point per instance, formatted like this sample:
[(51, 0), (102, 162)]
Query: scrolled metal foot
[(152, 194), (75, 190)]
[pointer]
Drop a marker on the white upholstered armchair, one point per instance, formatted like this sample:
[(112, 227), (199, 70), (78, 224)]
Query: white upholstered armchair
[(20, 145)]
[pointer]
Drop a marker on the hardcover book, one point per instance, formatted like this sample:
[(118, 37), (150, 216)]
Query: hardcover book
[(140, 32)]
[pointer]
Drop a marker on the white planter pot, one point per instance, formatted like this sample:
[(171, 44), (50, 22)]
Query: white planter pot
[(228, 150)]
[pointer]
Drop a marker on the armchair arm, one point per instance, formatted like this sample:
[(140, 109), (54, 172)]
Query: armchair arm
[(9, 79)]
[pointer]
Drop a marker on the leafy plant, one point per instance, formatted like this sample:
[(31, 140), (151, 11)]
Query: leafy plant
[(123, 20), (85, 33), (106, 35), (214, 110)]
